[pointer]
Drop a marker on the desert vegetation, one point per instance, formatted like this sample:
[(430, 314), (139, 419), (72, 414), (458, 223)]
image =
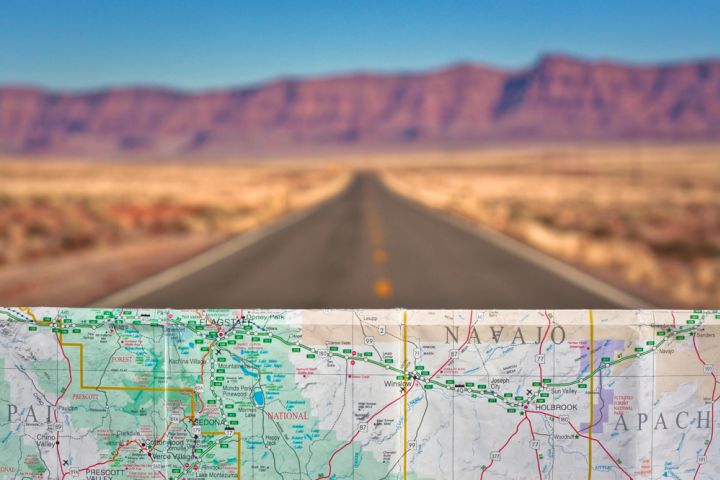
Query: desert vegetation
[(647, 215), (56, 217)]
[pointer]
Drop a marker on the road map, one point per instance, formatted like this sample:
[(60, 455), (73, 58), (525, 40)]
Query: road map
[(358, 394)]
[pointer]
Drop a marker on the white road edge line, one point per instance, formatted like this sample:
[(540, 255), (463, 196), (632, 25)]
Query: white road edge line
[(543, 260), (234, 245), (203, 260)]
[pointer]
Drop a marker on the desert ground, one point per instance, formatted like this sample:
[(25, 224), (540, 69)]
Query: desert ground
[(71, 232), (645, 216)]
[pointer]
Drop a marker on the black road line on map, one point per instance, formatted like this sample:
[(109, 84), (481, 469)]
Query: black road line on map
[(602, 404), (174, 346), (282, 435), (344, 397), (410, 342), (153, 420), (272, 452), (104, 393), (181, 464), (484, 365), (415, 437), (237, 322), (22, 370), (258, 385), (362, 328), (173, 454), (17, 468), (422, 418), (57, 392), (108, 414), (195, 440), (107, 365), (37, 445), (262, 433)]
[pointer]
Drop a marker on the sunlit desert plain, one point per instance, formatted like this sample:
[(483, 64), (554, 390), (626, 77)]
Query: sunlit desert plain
[(643, 216), (71, 232)]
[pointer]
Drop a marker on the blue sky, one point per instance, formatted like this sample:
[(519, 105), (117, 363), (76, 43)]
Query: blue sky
[(207, 44)]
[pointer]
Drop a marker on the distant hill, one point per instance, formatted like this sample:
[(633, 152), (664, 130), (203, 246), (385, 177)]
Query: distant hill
[(558, 98)]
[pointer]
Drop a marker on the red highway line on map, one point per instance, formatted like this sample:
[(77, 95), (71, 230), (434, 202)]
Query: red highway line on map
[(130, 442), (57, 402), (202, 363), (577, 432), (517, 429), (467, 339), (712, 404), (358, 432), (202, 381), (112, 459), (116, 455), (537, 455), (57, 435), (541, 344)]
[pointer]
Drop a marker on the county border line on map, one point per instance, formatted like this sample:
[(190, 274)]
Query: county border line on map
[(361, 394)]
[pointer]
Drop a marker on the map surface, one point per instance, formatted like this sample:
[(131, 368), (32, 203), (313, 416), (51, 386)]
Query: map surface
[(358, 394)]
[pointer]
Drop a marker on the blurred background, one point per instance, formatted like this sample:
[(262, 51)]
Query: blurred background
[(353, 154)]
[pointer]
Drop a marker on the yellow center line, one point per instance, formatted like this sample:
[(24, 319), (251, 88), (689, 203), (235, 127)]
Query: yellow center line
[(382, 287), (379, 256), (376, 236), (592, 393)]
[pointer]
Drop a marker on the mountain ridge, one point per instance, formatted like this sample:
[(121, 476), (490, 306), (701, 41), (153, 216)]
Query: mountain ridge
[(558, 98)]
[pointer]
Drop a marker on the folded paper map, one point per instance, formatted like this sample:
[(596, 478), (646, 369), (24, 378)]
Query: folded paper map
[(359, 394)]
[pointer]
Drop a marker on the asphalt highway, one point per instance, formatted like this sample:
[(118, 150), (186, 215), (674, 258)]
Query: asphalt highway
[(370, 248)]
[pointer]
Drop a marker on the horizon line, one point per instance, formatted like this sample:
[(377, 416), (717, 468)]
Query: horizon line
[(360, 72)]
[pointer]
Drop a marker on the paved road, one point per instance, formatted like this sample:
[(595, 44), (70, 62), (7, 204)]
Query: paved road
[(371, 248)]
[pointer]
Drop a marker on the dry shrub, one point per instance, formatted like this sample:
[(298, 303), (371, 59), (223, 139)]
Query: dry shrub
[(52, 208), (648, 213)]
